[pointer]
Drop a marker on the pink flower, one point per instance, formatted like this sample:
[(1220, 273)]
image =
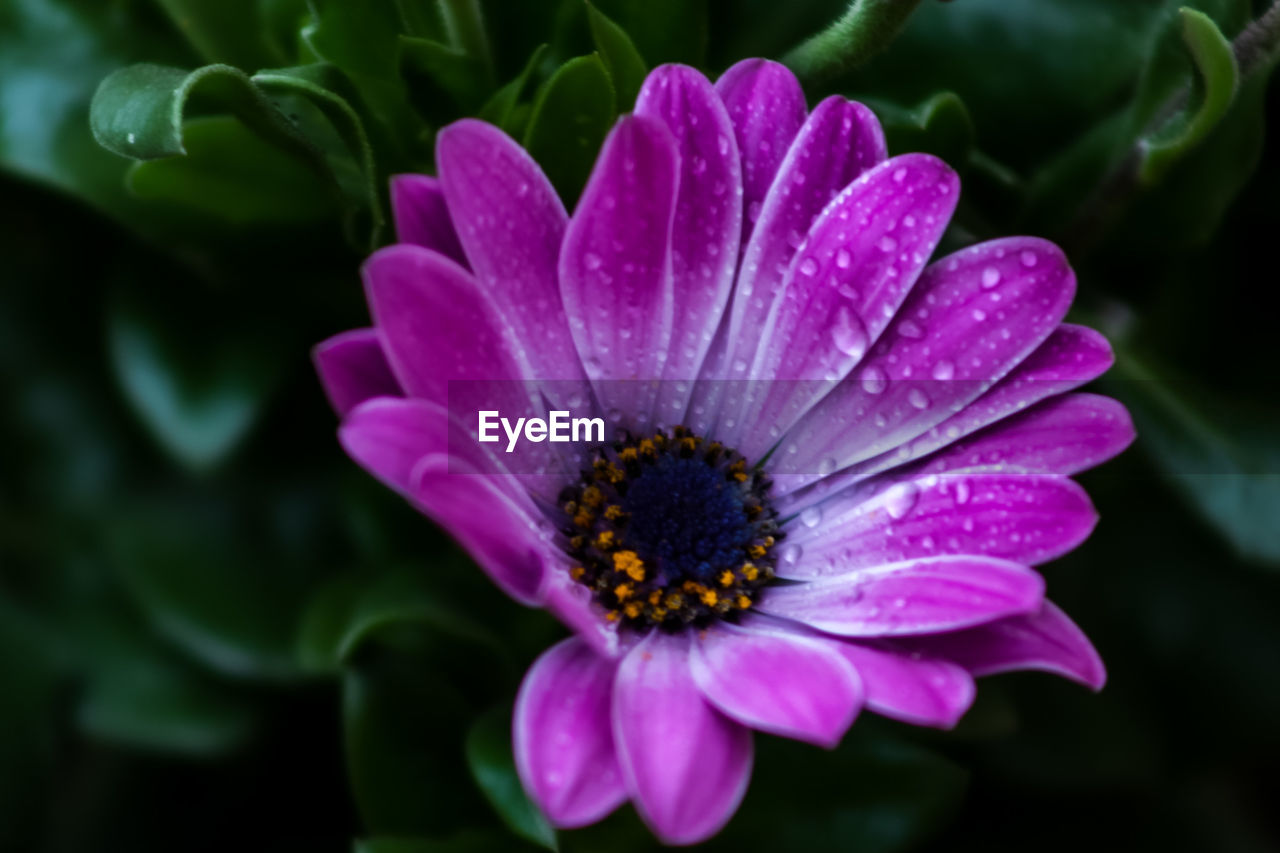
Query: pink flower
[(853, 528)]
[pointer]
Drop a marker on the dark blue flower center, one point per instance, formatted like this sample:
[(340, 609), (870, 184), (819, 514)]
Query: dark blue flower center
[(671, 531), (686, 517)]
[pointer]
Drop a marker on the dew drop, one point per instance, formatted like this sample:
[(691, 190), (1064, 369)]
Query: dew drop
[(900, 499), (843, 258), (899, 175), (811, 516), (990, 277), (848, 333), (1028, 258), (944, 370), (808, 266), (917, 398), (887, 244), (908, 329), (591, 261), (827, 467), (873, 380)]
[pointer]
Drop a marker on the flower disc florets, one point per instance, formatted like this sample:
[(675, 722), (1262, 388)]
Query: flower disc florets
[(671, 530)]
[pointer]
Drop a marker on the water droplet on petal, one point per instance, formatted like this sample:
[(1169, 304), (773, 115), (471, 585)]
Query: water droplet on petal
[(917, 398), (848, 334), (811, 516), (944, 370), (808, 266), (887, 244), (908, 329), (900, 499), (1029, 258), (591, 261), (843, 259), (990, 277), (827, 467), (873, 380)]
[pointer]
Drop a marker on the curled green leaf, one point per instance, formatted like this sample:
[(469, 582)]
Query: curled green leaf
[(866, 28), (1211, 95)]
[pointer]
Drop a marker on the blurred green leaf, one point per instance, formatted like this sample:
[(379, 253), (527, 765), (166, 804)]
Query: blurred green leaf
[(148, 702), (662, 30), (349, 612), (463, 842), (940, 126), (227, 31), (501, 107), (460, 76), (403, 727), (1225, 464), (626, 67), (875, 793), (229, 173), (571, 116), (1216, 80), (198, 405), (493, 768)]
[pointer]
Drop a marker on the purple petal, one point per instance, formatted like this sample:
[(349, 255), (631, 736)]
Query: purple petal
[(562, 736), (708, 216), (1065, 436), (859, 261), (387, 437), (1070, 357), (1023, 518), (840, 140), (910, 686), (1046, 640), (777, 682), (497, 529), (571, 603), (924, 596), (511, 223), (353, 368), (766, 105), (434, 323), (970, 320), (417, 203), (615, 267), (686, 765)]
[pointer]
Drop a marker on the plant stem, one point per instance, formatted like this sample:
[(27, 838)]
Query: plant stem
[(865, 29)]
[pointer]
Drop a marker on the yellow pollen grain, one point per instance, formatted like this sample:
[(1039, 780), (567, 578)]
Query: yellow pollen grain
[(605, 540), (633, 609), (646, 446), (709, 598), (614, 474), (742, 602), (630, 563), (674, 601), (756, 551), (659, 613), (592, 496), (623, 591), (655, 596), (583, 518), (692, 587), (577, 572), (750, 572), (628, 454), (613, 512), (577, 542), (612, 616), (726, 578), (689, 443)]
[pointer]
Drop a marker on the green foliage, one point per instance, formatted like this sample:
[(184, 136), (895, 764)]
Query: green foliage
[(493, 768), (570, 117)]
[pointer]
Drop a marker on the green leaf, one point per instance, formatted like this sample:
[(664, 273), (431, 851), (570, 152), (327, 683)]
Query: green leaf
[(571, 116), (464, 842), (1216, 80), (663, 30), (152, 703), (402, 726), (231, 175), (890, 796), (139, 111), (500, 107), (460, 76), (1225, 463), (493, 768), (198, 409), (226, 31), (940, 126), (349, 612), (626, 67)]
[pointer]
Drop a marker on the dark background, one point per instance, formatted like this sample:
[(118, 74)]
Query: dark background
[(216, 633)]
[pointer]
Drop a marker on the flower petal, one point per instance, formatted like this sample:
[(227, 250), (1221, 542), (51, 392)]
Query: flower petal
[(353, 368), (924, 596), (858, 263), (418, 205), (708, 218), (1064, 436), (499, 531), (766, 105), (1046, 640), (615, 266), (511, 223), (777, 682), (910, 686), (686, 765), (572, 603), (387, 437), (1023, 518), (840, 140), (562, 735), (970, 320)]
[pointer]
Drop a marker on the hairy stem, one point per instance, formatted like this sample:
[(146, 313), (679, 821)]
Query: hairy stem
[(865, 29)]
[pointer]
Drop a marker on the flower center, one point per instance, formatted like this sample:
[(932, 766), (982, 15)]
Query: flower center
[(671, 531)]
